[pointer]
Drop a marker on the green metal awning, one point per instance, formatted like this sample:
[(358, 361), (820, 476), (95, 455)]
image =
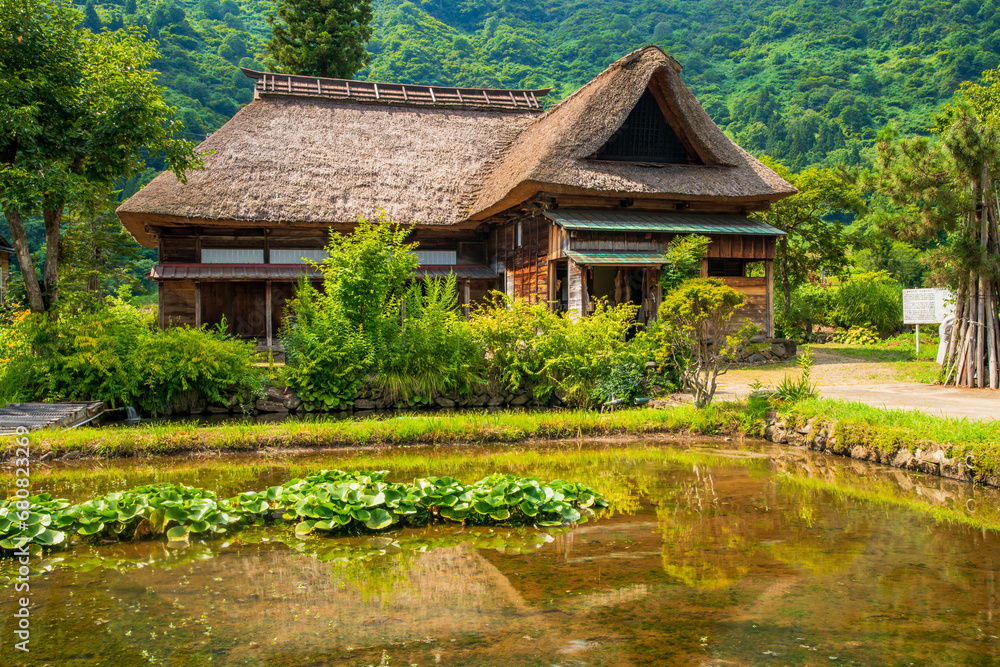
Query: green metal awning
[(616, 258), (679, 223)]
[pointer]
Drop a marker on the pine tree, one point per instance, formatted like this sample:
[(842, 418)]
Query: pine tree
[(91, 20), (952, 180), (321, 37)]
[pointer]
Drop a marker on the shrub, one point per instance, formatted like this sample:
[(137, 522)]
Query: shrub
[(530, 348), (205, 361), (326, 357), (682, 260), (434, 352), (333, 338), (810, 305), (857, 336), (697, 333), (117, 355), (801, 388), (871, 300)]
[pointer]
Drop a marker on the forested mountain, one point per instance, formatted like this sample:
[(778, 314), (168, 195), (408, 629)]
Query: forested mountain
[(809, 82)]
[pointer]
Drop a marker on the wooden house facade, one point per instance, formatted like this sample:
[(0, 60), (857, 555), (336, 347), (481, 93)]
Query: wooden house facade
[(563, 205), (6, 252)]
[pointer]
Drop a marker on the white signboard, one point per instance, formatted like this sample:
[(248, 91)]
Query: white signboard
[(927, 306)]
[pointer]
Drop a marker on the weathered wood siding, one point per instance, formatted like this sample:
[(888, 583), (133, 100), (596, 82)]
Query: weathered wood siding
[(521, 250), (177, 303), (742, 247), (756, 308)]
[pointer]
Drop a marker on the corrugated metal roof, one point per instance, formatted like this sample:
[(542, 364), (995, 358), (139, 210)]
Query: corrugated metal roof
[(683, 223), (291, 272), (616, 258)]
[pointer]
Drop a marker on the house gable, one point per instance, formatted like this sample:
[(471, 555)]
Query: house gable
[(648, 135)]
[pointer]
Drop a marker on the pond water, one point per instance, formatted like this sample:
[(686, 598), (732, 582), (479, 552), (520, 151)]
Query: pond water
[(709, 555)]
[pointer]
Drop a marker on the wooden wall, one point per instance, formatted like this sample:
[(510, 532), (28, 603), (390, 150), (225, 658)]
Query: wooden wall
[(741, 247), (757, 307), (177, 303), (526, 263)]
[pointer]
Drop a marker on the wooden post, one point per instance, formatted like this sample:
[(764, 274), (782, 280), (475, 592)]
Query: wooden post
[(466, 298), (197, 304), (577, 288), (159, 305), (704, 268), (267, 308), (769, 302)]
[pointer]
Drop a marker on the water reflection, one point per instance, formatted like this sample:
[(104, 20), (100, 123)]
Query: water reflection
[(711, 557)]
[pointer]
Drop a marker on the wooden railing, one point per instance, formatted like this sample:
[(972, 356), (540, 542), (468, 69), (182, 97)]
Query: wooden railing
[(372, 91)]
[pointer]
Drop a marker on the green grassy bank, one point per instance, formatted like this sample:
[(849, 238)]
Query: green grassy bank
[(856, 424), (474, 428)]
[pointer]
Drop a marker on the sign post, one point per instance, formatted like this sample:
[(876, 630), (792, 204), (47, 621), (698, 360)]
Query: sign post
[(926, 306)]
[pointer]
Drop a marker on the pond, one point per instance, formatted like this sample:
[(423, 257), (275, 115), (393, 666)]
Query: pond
[(710, 554)]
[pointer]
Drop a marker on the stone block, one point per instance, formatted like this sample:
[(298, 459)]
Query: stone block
[(264, 405), (364, 404), (520, 399), (444, 402)]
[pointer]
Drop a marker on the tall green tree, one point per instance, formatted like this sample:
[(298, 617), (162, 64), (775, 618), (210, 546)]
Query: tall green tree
[(77, 112), (98, 255), (814, 236), (951, 180), (321, 37)]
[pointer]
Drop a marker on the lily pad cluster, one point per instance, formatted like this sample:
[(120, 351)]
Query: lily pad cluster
[(330, 501)]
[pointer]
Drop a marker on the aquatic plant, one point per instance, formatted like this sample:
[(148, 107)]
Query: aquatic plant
[(327, 501)]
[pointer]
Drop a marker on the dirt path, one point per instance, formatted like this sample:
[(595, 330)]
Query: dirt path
[(873, 382)]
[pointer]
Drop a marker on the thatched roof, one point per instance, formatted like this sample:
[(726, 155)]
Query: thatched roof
[(552, 155), (327, 151), (5, 246), (293, 159)]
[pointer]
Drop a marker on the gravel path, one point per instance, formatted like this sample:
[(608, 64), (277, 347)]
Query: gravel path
[(871, 382)]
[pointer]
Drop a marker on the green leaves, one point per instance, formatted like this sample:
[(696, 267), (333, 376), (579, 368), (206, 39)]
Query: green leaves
[(324, 502)]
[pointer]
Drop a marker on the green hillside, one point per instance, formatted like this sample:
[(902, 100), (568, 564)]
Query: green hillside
[(809, 82)]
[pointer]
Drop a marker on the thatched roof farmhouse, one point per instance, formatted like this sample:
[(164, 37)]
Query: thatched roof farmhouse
[(563, 205)]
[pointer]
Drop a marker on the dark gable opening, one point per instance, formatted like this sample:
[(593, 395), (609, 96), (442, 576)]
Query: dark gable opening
[(645, 136)]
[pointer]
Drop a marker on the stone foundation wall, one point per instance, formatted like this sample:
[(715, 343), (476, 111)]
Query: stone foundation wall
[(855, 442), (774, 350)]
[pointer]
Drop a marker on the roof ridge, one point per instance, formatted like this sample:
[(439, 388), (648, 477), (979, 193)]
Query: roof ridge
[(297, 85)]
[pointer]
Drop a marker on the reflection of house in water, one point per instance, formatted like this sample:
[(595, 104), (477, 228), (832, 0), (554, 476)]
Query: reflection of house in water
[(565, 205)]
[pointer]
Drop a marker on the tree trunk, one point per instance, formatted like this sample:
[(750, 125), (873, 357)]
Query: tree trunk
[(53, 253), (20, 240)]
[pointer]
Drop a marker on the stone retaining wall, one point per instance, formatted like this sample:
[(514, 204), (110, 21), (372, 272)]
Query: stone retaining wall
[(832, 437)]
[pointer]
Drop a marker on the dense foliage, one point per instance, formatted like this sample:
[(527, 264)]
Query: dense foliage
[(682, 259), (327, 501), (870, 300), (79, 111), (115, 353), (531, 348), (372, 326)]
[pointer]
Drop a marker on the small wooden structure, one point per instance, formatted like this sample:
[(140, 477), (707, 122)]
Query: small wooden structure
[(35, 416), (6, 250), (561, 205)]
